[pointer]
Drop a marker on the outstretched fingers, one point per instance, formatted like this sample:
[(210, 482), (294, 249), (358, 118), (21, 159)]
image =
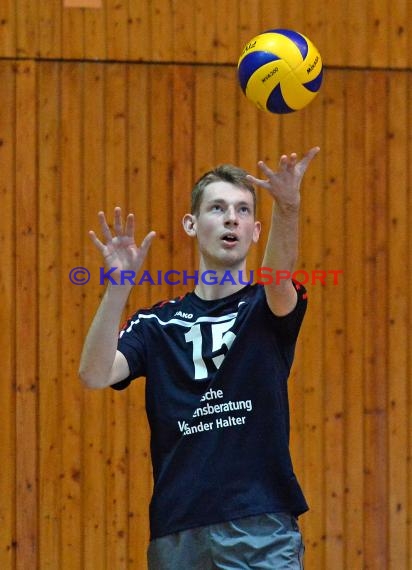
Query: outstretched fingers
[(121, 231), (129, 229), (100, 246), (288, 162), (258, 181), (104, 227), (308, 157), (118, 223), (147, 242)]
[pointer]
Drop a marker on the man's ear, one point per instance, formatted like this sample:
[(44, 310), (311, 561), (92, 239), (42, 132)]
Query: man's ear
[(256, 232), (189, 224)]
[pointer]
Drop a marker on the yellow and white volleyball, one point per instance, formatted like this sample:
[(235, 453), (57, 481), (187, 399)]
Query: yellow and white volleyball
[(280, 71)]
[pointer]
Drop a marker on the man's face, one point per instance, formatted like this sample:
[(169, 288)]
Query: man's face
[(225, 226)]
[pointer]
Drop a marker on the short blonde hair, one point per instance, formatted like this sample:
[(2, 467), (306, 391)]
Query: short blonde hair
[(226, 173)]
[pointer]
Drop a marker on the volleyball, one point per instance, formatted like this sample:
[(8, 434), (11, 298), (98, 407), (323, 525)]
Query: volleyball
[(280, 71)]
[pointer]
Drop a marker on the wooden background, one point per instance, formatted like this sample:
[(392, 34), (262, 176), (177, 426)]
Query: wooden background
[(127, 105)]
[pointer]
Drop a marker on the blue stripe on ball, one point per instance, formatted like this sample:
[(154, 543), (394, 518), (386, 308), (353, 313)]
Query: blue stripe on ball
[(250, 63), (276, 103), (295, 37), (315, 84)]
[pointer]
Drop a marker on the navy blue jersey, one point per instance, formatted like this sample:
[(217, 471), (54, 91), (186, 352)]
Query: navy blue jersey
[(217, 404)]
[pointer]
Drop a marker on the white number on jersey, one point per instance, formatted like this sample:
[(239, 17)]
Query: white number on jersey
[(221, 336)]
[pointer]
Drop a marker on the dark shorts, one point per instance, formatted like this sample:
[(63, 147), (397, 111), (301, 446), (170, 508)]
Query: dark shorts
[(268, 542)]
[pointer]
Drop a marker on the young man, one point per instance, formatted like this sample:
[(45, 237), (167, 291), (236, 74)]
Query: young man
[(216, 363)]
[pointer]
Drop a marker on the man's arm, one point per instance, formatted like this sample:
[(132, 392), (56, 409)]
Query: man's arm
[(101, 364), (282, 245)]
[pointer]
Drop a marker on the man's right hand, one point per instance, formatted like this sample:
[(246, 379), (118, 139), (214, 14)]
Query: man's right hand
[(120, 250)]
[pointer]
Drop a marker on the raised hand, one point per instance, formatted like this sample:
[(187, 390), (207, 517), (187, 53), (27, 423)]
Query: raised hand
[(120, 250), (284, 185)]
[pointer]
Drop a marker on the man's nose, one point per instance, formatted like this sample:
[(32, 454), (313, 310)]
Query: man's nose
[(231, 216)]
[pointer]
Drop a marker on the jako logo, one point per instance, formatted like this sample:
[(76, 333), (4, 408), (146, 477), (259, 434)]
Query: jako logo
[(183, 315)]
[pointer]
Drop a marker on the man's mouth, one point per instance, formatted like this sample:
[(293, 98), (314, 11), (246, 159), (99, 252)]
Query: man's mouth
[(230, 238)]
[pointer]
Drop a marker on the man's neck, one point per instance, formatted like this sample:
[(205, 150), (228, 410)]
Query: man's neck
[(218, 282)]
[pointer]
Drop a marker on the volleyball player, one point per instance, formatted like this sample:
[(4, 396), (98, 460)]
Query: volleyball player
[(216, 363)]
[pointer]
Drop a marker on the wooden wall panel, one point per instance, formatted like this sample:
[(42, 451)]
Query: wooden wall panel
[(8, 28), (78, 137), (139, 200), (353, 277), (71, 239), (7, 317), (334, 315), (26, 316), (94, 455), (49, 279), (375, 329), (408, 263), (49, 17), (398, 231), (351, 33)]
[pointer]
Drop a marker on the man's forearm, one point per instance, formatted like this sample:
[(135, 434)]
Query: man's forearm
[(282, 246), (281, 255), (99, 351)]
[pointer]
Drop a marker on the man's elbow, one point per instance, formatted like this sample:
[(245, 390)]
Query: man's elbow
[(90, 379)]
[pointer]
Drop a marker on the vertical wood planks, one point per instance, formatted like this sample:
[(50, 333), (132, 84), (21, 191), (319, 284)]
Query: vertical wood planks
[(203, 149), (182, 177), (71, 315), (26, 315), (73, 33), (116, 458), (49, 29), (139, 198), (226, 41), (183, 24), (248, 153), (285, 140), (408, 450), (398, 34), (139, 31), (375, 330), (225, 119), (353, 280), (162, 36), (334, 347), (26, 29), (7, 28), (117, 30), (313, 348), (206, 31), (78, 137), (95, 34), (7, 316), (139, 195), (377, 30), (94, 432), (49, 278), (398, 270), (161, 173)]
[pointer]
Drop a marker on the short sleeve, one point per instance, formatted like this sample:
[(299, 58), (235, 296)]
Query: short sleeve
[(131, 344), (288, 326)]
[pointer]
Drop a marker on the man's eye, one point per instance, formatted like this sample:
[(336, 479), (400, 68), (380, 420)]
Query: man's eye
[(244, 210), (216, 207)]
